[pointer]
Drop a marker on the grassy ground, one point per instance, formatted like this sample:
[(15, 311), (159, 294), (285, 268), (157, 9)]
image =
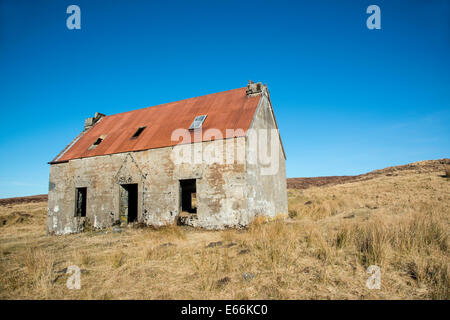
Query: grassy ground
[(399, 222)]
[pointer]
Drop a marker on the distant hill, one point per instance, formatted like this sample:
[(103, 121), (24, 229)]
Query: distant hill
[(27, 199), (417, 167)]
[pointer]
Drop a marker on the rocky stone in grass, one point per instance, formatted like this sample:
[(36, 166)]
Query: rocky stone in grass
[(222, 282), (244, 251), (247, 276), (214, 244)]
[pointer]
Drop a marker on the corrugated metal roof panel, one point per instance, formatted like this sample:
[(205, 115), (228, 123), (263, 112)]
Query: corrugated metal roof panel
[(231, 109)]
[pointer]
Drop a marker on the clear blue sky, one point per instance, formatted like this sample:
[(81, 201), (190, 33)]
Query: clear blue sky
[(347, 99)]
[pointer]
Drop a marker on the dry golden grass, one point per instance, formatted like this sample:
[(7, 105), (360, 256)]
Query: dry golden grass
[(321, 251)]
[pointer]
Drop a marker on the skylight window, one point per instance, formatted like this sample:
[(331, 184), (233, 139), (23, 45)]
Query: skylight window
[(198, 121), (138, 132)]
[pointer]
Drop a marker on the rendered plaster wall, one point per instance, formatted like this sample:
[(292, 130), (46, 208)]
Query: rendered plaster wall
[(267, 191), (221, 188)]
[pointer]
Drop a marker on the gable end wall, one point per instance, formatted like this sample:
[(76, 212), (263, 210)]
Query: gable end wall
[(267, 194)]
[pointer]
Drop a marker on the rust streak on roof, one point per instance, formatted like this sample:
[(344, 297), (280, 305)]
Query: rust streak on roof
[(231, 109)]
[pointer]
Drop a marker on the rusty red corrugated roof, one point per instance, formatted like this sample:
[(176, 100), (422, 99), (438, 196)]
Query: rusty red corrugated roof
[(231, 109)]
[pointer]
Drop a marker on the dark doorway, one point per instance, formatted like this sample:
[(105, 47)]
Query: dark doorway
[(128, 203), (80, 202), (188, 195)]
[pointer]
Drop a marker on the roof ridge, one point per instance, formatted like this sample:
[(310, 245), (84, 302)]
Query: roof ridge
[(166, 103)]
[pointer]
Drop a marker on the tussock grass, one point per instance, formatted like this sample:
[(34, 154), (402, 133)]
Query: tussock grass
[(447, 171), (321, 251)]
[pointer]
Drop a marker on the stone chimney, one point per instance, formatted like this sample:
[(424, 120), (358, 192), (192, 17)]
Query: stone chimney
[(89, 122), (255, 88)]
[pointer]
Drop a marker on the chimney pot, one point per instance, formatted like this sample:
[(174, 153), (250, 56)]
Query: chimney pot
[(89, 122), (254, 88)]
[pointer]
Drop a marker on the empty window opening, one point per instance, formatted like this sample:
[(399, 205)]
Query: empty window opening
[(188, 195), (138, 132), (97, 142), (128, 203), (80, 202), (197, 123)]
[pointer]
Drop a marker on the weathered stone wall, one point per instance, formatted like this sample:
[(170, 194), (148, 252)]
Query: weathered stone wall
[(267, 193), (221, 189)]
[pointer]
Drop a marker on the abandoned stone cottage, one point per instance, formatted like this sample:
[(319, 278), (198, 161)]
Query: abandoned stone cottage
[(122, 169)]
